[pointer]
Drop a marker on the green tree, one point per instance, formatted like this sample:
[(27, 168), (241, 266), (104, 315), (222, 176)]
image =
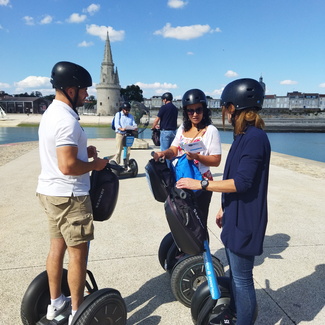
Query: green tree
[(132, 92)]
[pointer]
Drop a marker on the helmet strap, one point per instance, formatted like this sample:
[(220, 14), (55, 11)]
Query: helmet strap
[(73, 101)]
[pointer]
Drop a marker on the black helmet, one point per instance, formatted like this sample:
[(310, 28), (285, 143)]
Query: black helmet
[(167, 96), (194, 96), (243, 93), (67, 74), (126, 106)]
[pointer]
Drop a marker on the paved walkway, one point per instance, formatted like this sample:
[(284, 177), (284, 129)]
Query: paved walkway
[(289, 276)]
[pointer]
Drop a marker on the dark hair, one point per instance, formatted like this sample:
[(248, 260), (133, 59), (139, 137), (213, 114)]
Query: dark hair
[(206, 120)]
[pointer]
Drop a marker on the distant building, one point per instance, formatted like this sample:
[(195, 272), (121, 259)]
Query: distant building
[(108, 89), (26, 105)]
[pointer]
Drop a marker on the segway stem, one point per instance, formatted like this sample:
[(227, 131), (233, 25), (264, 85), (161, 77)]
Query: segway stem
[(211, 276)]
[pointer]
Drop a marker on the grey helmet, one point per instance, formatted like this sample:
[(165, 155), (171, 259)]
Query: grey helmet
[(168, 96), (194, 96), (67, 74), (243, 93)]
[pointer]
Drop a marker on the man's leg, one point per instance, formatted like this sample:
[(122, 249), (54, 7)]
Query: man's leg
[(77, 273), (54, 266), (119, 147)]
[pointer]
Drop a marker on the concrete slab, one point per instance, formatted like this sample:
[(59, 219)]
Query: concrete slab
[(289, 276)]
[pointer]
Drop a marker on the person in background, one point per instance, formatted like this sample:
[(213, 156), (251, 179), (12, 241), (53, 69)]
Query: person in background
[(166, 121), (243, 214), (63, 185), (197, 126), (123, 120)]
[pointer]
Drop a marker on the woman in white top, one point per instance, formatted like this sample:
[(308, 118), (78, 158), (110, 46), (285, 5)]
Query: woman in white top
[(197, 126)]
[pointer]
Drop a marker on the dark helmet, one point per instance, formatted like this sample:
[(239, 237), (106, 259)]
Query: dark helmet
[(67, 74), (126, 106), (167, 96), (194, 96), (243, 93)]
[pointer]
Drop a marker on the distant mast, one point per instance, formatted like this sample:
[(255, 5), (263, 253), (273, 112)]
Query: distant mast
[(262, 83), (108, 88)]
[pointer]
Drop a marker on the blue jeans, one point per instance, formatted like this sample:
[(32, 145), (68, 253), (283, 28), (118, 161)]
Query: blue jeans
[(243, 296), (166, 139)]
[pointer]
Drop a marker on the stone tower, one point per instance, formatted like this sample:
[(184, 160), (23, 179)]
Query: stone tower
[(108, 89)]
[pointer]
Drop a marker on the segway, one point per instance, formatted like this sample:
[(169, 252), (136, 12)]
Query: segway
[(129, 167), (104, 306), (98, 307), (212, 298)]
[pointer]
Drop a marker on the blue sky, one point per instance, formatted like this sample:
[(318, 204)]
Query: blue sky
[(166, 45)]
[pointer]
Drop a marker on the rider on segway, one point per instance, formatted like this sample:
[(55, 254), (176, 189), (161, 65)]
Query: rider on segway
[(124, 124)]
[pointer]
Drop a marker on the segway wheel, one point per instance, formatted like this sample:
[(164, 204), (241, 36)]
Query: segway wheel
[(168, 253), (202, 304), (134, 167), (37, 297), (164, 247), (105, 306), (188, 274)]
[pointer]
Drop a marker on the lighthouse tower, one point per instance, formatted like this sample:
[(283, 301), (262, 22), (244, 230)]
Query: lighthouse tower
[(108, 89)]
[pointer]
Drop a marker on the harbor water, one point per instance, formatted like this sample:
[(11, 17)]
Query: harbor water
[(303, 145)]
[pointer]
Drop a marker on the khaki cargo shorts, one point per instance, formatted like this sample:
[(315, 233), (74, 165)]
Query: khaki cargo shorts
[(70, 218)]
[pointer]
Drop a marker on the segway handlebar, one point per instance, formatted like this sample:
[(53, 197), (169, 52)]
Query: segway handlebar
[(161, 160)]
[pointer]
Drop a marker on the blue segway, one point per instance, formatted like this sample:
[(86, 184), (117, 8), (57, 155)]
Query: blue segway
[(129, 167)]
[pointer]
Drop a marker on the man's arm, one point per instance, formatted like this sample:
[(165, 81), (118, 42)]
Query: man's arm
[(69, 164), (155, 122)]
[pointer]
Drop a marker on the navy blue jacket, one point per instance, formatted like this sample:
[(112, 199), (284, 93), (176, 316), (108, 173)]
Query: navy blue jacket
[(245, 212)]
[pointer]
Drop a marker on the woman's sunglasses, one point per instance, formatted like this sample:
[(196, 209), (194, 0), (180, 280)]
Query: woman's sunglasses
[(191, 111)]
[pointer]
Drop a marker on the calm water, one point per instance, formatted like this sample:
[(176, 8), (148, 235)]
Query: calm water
[(304, 145)]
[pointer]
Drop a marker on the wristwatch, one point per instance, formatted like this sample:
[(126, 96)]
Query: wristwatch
[(204, 184)]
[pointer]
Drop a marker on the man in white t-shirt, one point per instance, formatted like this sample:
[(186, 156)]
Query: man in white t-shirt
[(63, 184)]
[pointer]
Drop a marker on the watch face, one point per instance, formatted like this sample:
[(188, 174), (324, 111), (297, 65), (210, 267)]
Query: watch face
[(204, 183)]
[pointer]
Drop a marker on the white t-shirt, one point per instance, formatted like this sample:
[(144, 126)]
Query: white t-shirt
[(60, 127), (210, 138)]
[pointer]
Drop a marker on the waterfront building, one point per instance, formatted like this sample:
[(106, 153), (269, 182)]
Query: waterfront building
[(108, 88)]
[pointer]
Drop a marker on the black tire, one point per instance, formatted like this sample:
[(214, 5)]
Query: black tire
[(174, 256), (134, 166), (164, 247), (203, 305), (188, 274), (202, 295), (105, 306), (199, 298), (37, 297)]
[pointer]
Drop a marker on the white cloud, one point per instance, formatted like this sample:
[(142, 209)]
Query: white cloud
[(92, 9), (176, 4), (288, 82), (76, 18), (101, 32), (190, 53), (5, 3), (216, 93), (157, 85), (231, 74), (85, 44), (46, 20), (29, 20), (183, 32), (216, 30), (33, 82), (322, 85), (4, 85)]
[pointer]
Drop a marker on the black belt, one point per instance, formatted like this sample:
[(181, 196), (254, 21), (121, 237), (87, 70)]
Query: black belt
[(167, 129)]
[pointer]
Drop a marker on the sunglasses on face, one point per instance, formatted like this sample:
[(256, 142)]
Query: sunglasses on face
[(191, 111)]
